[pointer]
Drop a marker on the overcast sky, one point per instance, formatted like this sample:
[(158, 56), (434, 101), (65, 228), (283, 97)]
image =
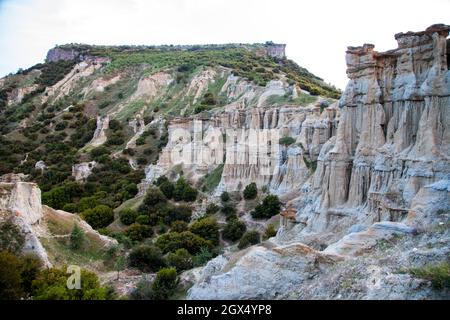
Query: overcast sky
[(316, 32)]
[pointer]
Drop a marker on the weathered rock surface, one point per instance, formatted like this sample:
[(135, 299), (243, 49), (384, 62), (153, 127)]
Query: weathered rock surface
[(379, 198)]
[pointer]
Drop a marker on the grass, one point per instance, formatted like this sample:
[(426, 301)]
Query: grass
[(130, 110), (438, 275), (211, 180)]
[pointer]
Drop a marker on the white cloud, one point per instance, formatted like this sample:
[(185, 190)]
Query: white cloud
[(316, 32)]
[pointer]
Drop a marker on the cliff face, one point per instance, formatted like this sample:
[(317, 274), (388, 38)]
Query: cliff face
[(383, 175)]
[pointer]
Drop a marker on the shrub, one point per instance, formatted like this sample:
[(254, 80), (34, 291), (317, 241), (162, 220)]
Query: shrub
[(99, 217), (202, 257), (234, 230), (212, 208), (183, 191), (10, 279), (439, 275), (180, 260), (138, 232), (51, 284), (178, 213), (12, 238), (228, 210), (270, 206), (61, 126), (225, 196), (143, 219), (167, 188), (143, 290), (98, 152), (179, 226), (165, 283), (270, 232), (286, 141), (249, 238), (77, 238), (207, 228), (250, 191), (128, 216), (153, 197), (146, 258), (172, 241)]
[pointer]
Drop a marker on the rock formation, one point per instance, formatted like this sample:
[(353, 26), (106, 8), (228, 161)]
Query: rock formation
[(382, 177)]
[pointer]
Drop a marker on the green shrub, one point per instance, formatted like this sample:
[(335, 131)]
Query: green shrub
[(128, 216), (138, 232), (146, 258), (77, 238), (228, 210), (207, 228), (202, 257), (143, 219), (165, 284), (250, 191), (286, 141), (99, 217), (10, 279), (179, 226), (180, 212), (234, 230), (173, 241), (181, 260), (153, 197), (143, 290), (270, 232), (184, 192), (438, 275), (270, 206), (167, 188), (225, 196), (212, 208), (249, 238)]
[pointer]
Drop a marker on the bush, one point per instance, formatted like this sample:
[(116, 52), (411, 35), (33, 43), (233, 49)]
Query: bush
[(143, 290), (234, 230), (179, 226), (225, 196), (165, 283), (228, 210), (138, 232), (153, 197), (439, 275), (12, 238), (167, 188), (173, 241), (202, 257), (146, 258), (270, 232), (51, 284), (184, 192), (178, 213), (99, 217), (207, 228), (77, 238), (180, 260), (270, 206), (250, 191), (249, 238), (128, 216), (212, 208), (286, 141), (143, 219), (10, 279)]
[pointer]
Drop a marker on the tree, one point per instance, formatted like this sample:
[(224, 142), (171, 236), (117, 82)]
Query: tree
[(153, 198), (138, 232), (270, 206), (99, 217), (178, 213), (207, 228), (225, 196), (173, 241), (212, 208), (234, 230), (30, 268), (249, 238), (228, 210), (128, 216), (167, 188), (179, 226), (77, 237), (146, 258), (165, 283), (180, 259), (250, 191), (184, 192), (119, 265)]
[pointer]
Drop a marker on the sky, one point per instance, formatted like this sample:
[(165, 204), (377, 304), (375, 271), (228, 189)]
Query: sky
[(317, 32)]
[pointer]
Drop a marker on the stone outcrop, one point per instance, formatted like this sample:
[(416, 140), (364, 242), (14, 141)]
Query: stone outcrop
[(379, 199), (82, 171)]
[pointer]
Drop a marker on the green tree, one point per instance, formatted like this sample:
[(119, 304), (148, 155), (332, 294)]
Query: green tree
[(270, 206), (99, 217), (234, 230), (165, 284), (180, 212), (207, 228), (181, 259), (225, 196), (12, 238), (146, 258), (77, 237), (128, 216), (184, 192), (249, 238), (120, 264), (173, 241), (138, 232), (167, 188), (10, 279), (250, 191), (212, 208), (179, 226)]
